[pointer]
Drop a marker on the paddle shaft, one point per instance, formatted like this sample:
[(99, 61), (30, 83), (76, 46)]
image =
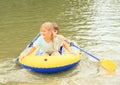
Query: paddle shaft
[(31, 43), (72, 44)]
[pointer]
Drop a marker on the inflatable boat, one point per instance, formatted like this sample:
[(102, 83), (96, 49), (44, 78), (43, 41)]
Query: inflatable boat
[(49, 64)]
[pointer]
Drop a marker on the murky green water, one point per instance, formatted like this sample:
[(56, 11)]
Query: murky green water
[(93, 24)]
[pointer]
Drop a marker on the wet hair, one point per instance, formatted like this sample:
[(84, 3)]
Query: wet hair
[(55, 27)]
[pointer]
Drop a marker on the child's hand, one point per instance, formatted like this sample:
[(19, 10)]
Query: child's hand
[(21, 57)]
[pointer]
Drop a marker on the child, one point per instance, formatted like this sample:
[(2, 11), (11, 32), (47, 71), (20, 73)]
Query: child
[(56, 32), (62, 38), (47, 42)]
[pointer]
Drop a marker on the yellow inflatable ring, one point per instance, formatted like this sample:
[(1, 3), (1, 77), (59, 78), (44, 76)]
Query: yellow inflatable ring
[(50, 64)]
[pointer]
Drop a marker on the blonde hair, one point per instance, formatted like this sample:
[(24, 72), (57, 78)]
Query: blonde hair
[(49, 26)]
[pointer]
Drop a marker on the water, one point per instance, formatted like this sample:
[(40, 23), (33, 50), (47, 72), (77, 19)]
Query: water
[(93, 24)]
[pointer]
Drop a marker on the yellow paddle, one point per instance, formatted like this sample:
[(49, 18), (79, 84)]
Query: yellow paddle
[(109, 65)]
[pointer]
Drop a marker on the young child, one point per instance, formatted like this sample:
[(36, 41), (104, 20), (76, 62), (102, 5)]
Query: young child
[(56, 32), (47, 42), (62, 38)]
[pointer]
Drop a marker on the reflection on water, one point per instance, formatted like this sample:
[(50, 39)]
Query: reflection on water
[(93, 24)]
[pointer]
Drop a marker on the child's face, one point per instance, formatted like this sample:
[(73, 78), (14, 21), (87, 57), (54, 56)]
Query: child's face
[(55, 32), (45, 32)]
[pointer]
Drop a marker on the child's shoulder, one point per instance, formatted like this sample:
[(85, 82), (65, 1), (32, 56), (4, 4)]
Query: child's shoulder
[(61, 37)]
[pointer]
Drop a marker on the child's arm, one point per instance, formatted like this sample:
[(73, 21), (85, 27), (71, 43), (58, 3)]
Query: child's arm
[(28, 53), (33, 48), (61, 37), (65, 44)]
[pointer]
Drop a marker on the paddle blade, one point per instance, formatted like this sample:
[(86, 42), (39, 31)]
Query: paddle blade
[(108, 65)]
